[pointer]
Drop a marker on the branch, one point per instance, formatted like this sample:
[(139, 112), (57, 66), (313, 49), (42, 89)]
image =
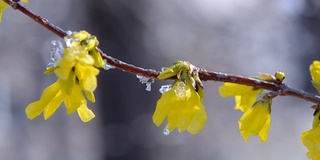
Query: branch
[(282, 89)]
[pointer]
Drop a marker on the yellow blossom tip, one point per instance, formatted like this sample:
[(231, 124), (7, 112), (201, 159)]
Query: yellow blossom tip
[(280, 76), (81, 35), (315, 74), (171, 71)]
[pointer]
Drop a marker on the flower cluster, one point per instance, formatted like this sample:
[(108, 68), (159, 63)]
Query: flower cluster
[(182, 104), (311, 138), (256, 117), (4, 5), (76, 69)]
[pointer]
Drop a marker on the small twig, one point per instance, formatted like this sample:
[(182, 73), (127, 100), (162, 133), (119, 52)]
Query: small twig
[(204, 75)]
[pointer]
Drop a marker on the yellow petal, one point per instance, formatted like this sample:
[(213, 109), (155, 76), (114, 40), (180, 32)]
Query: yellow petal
[(3, 6), (81, 35), (90, 96), (265, 130), (53, 105), (311, 139), (232, 89), (82, 55), (85, 113), (171, 71), (245, 96), (315, 71), (67, 85), (49, 70), (316, 119), (183, 108), (164, 104), (198, 121), (246, 101), (87, 77), (256, 121), (74, 100), (64, 67), (34, 109), (98, 61)]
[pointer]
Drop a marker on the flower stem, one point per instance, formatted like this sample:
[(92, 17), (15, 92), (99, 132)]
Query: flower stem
[(283, 89)]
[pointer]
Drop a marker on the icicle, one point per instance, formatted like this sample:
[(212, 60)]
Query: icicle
[(147, 81)]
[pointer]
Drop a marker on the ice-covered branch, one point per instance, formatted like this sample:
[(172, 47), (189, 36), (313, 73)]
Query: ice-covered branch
[(204, 75)]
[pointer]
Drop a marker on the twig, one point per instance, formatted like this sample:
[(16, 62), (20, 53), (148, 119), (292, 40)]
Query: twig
[(204, 75)]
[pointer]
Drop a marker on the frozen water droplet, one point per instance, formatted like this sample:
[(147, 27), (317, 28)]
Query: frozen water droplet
[(107, 66), (180, 90), (166, 132), (69, 33), (68, 39), (148, 88), (50, 64), (147, 81), (165, 88), (87, 40)]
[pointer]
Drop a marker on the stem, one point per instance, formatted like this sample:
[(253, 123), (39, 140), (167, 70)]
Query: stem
[(204, 75)]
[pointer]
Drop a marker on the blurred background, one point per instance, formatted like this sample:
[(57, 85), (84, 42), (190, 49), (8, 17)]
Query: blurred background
[(235, 36)]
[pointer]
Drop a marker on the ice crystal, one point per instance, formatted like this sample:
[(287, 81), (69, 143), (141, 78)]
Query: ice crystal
[(147, 81)]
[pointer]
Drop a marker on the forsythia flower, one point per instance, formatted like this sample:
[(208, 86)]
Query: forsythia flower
[(182, 103), (315, 74), (76, 73), (245, 96), (4, 5), (311, 139), (256, 120)]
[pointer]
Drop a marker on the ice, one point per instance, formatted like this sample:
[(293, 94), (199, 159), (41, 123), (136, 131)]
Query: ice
[(180, 90), (68, 39), (107, 66), (56, 53), (147, 81), (49, 65), (165, 88), (166, 132)]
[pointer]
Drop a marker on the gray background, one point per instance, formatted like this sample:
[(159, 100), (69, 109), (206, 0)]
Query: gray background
[(235, 36)]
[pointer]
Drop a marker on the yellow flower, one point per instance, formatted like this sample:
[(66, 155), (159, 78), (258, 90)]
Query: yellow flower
[(183, 108), (53, 96), (76, 73), (256, 120), (4, 5), (315, 74), (245, 96), (311, 139)]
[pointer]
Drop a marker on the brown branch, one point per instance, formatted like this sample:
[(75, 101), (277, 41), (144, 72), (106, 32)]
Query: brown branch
[(204, 75)]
